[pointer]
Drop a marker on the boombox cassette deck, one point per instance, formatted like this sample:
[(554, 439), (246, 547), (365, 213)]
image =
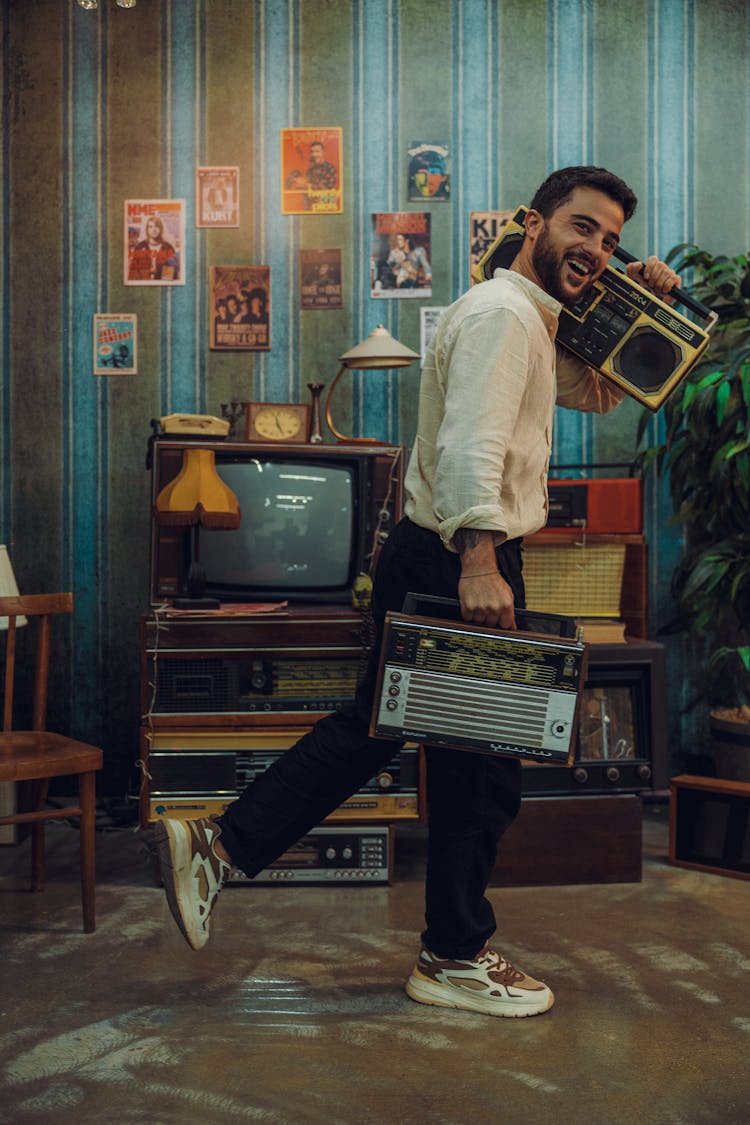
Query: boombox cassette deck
[(638, 342), (451, 684)]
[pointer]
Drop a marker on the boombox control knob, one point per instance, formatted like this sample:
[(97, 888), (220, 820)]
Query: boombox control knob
[(395, 677), (612, 773), (580, 775)]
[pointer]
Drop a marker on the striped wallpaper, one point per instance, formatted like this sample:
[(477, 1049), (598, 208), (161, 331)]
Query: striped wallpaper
[(107, 105)]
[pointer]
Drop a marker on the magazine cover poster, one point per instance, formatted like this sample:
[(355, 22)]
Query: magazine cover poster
[(429, 170), (154, 241), (240, 308), (311, 172), (320, 279), (400, 264), (115, 344), (217, 197), (484, 228)]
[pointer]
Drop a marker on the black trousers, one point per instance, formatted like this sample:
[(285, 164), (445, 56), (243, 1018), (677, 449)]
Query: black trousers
[(471, 798)]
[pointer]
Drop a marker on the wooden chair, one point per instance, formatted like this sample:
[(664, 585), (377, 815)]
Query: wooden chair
[(38, 755)]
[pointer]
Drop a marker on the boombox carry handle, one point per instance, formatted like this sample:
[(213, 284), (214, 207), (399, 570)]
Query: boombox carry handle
[(678, 294)]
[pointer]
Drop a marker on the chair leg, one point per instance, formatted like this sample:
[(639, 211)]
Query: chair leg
[(87, 799), (38, 799)]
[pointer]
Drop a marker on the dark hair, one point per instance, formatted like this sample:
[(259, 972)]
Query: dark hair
[(558, 188)]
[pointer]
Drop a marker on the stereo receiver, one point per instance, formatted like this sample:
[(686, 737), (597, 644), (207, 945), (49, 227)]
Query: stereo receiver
[(200, 773), (353, 855), (475, 688), (640, 343)]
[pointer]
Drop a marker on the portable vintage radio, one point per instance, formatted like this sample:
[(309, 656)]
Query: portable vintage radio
[(601, 505), (470, 687), (638, 342)]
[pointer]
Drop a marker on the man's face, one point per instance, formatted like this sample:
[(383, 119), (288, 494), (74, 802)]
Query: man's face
[(572, 247), (316, 153)]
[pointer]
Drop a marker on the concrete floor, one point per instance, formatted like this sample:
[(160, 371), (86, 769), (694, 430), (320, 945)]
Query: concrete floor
[(295, 1013)]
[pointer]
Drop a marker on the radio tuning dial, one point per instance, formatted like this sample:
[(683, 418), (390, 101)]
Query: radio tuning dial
[(580, 775), (644, 772), (612, 774)]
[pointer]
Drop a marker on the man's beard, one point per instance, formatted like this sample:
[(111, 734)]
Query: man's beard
[(548, 264)]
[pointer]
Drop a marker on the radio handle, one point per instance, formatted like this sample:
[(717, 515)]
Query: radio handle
[(678, 294)]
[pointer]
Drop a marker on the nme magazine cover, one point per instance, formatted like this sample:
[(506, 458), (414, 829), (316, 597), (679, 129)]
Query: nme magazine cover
[(217, 197), (311, 172), (240, 308), (320, 279), (484, 228), (154, 242), (115, 346), (400, 254), (429, 170)]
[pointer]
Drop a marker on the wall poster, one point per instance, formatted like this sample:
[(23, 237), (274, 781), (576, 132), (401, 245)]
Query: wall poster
[(240, 308), (217, 197), (154, 242), (429, 171), (320, 279), (484, 228), (400, 254), (311, 180), (429, 316), (115, 344)]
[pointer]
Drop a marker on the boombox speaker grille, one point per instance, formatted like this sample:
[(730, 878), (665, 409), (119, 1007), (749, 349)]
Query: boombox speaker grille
[(647, 359)]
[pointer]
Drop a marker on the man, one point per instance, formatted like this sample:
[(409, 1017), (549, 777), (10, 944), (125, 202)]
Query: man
[(476, 484), (321, 174), (408, 264)]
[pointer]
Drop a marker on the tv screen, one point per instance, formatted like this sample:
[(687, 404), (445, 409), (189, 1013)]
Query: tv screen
[(296, 539)]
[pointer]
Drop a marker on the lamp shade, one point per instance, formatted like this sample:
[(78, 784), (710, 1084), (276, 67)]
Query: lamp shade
[(379, 350), (198, 495)]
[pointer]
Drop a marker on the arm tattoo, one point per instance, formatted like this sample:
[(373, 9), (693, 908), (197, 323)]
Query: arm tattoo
[(465, 538)]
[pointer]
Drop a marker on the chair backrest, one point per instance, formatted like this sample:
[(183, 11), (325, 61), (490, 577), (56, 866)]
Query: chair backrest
[(40, 606)]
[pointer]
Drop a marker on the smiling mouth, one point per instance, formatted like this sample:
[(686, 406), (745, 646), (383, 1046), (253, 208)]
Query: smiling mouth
[(579, 267)]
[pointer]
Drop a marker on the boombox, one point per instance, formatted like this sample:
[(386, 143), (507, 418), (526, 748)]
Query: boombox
[(638, 342), (470, 687)]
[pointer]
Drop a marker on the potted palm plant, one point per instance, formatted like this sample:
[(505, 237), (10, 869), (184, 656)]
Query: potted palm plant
[(706, 452)]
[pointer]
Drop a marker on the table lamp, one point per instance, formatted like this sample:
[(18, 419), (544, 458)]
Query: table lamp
[(379, 352), (197, 497)]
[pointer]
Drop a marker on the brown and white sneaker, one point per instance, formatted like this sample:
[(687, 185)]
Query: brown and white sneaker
[(487, 983), (192, 873)]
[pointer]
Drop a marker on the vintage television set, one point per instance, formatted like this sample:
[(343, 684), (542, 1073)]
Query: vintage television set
[(313, 517)]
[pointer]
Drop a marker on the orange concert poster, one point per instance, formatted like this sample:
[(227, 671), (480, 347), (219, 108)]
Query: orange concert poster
[(311, 171)]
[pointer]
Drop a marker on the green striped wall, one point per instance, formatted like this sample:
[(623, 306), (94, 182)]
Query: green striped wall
[(107, 105)]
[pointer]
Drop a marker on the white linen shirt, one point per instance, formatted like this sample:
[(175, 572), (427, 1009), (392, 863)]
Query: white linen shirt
[(490, 381)]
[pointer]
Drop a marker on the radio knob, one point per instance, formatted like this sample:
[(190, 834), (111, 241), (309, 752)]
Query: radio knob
[(385, 780), (347, 853), (395, 677), (580, 775), (644, 772), (330, 853), (391, 705), (612, 773)]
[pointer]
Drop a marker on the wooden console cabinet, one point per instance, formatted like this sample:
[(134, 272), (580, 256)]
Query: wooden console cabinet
[(223, 693)]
